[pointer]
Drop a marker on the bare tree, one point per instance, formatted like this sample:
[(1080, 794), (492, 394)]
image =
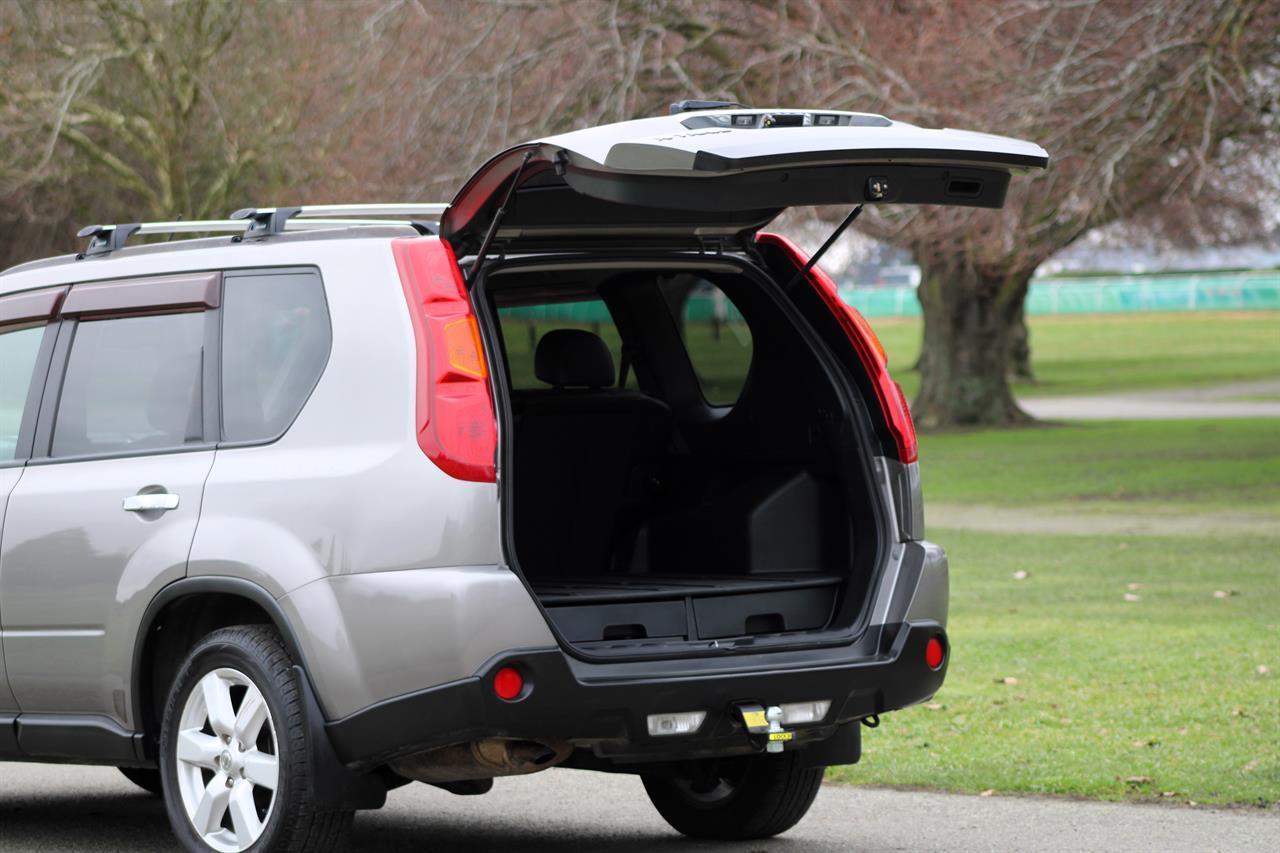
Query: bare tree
[(142, 109), (1144, 107)]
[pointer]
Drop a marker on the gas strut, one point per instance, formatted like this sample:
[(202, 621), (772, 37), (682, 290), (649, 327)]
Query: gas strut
[(497, 220), (822, 250)]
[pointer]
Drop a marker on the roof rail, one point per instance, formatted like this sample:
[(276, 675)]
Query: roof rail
[(427, 209), (104, 239), (266, 221)]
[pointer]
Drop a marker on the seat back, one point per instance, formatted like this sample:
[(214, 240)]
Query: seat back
[(578, 448)]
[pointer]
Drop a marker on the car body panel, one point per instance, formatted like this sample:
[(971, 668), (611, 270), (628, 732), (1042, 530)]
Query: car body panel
[(376, 636), (77, 572), (323, 501), (713, 141)]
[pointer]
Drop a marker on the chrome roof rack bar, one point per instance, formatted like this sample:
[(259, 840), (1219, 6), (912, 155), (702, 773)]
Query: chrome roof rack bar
[(104, 239), (425, 209), (265, 221)]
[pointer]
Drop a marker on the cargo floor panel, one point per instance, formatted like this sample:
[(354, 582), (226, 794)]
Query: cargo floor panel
[(693, 608)]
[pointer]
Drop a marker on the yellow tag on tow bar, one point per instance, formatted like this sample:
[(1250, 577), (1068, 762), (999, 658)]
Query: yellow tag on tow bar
[(755, 720), (781, 736)]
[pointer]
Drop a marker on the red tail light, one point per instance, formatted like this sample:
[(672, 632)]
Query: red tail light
[(870, 351), (456, 424), (508, 683), (934, 652)]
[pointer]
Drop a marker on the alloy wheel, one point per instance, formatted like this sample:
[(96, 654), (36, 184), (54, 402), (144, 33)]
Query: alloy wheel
[(228, 760)]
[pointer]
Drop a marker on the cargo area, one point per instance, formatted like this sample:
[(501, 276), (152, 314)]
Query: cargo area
[(681, 463)]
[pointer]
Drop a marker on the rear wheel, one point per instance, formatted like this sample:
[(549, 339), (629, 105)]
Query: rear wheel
[(235, 752), (736, 799), (147, 780)]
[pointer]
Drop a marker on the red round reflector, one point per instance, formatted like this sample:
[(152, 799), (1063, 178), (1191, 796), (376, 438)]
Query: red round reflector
[(934, 652), (508, 683)]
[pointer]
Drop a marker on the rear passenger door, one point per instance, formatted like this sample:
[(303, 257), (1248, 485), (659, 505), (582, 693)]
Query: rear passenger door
[(106, 508)]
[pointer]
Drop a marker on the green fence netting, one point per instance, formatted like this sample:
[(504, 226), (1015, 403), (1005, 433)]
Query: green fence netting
[(1223, 291), (1229, 291)]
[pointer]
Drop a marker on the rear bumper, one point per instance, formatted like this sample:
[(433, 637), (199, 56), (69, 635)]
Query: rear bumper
[(605, 706)]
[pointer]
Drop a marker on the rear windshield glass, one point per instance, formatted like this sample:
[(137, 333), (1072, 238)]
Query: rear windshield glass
[(523, 326)]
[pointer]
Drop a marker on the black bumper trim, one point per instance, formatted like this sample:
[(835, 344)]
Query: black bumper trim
[(605, 706)]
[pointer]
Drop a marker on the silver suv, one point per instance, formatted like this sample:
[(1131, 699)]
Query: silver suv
[(582, 469)]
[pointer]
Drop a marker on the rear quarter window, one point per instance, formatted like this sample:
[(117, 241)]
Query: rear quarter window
[(275, 343), (715, 335)]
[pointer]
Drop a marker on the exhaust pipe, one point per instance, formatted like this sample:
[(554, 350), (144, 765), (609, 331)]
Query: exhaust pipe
[(482, 759)]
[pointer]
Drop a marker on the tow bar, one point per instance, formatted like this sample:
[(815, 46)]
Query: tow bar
[(766, 723)]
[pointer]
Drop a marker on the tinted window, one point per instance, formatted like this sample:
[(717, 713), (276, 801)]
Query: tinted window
[(275, 341), (132, 384), (715, 335), (524, 326), (18, 351)]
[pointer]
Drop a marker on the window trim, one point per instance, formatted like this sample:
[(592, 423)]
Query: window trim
[(164, 294), (31, 306)]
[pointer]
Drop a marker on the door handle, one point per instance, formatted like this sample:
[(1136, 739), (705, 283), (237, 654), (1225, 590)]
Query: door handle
[(150, 503)]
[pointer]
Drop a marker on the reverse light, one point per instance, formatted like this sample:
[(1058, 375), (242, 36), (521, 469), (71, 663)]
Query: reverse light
[(893, 403), (457, 428), (934, 653), (799, 713), (508, 683), (683, 723)]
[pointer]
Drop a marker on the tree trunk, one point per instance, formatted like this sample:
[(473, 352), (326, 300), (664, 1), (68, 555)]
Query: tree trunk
[(965, 356), (1020, 347)]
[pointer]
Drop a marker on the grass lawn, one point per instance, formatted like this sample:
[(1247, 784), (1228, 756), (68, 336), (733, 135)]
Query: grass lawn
[(1088, 354), (1113, 698), (1134, 464), (1158, 697)]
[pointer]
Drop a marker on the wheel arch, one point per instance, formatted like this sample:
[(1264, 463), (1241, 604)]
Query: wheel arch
[(211, 602)]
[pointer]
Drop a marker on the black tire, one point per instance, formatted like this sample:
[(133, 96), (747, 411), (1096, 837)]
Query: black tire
[(147, 780), (737, 799), (294, 823)]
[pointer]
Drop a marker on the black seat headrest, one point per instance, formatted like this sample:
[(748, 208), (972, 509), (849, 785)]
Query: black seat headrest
[(573, 358)]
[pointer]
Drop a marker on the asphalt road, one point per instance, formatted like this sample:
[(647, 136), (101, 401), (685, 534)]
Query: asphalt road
[(64, 808)]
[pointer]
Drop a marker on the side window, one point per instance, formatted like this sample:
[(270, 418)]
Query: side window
[(524, 326), (19, 350), (275, 342), (132, 384), (715, 336)]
